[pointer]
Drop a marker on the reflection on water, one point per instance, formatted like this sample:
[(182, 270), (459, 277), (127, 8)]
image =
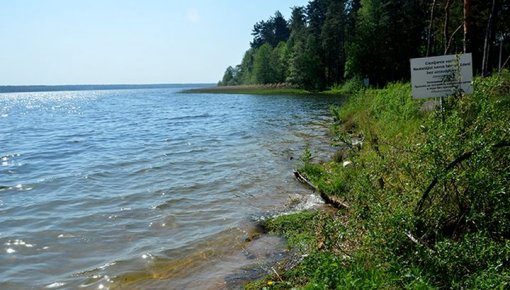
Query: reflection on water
[(143, 187)]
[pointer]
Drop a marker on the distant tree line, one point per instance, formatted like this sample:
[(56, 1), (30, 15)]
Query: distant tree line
[(329, 41)]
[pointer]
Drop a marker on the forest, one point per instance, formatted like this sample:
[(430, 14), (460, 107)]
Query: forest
[(328, 42)]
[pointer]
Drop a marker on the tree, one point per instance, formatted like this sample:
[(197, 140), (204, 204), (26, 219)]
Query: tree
[(316, 16), (365, 54), (333, 42), (263, 66), (329, 40), (230, 77), (467, 25), (272, 31), (297, 26), (297, 19), (306, 69), (488, 38), (429, 30), (316, 11), (387, 34), (246, 67), (297, 46), (406, 25), (281, 29), (280, 60), (261, 34)]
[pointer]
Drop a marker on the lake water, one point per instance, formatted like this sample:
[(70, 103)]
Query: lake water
[(147, 188)]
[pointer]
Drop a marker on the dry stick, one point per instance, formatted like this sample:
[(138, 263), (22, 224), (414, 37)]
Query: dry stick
[(418, 242), (277, 275), (506, 62), (451, 38)]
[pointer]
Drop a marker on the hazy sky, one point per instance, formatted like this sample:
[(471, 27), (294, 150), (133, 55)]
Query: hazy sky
[(122, 41)]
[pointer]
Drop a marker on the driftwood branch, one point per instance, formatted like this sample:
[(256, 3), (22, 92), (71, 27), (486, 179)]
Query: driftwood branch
[(327, 199), (304, 180)]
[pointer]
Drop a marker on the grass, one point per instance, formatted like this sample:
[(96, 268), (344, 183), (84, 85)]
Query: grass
[(428, 192)]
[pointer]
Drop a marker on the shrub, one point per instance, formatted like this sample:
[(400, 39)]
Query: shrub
[(429, 194)]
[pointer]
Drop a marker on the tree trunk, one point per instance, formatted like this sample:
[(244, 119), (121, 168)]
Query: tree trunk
[(446, 22), (486, 44), (467, 25), (429, 36)]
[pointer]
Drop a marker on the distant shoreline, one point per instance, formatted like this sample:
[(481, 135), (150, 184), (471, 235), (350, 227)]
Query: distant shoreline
[(58, 88), (253, 89)]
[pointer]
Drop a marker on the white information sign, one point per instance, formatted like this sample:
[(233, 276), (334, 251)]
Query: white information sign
[(441, 76)]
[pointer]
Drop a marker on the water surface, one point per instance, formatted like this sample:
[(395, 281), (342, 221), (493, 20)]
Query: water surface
[(152, 186)]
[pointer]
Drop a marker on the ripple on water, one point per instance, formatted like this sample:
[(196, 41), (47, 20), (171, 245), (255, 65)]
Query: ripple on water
[(138, 183)]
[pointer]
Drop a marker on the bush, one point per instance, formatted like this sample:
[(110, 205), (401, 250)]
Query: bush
[(350, 86), (429, 194)]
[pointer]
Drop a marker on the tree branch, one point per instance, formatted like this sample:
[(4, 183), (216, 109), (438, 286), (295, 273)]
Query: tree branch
[(449, 167), (451, 38)]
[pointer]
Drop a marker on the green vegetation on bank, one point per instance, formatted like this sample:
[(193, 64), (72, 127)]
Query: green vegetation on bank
[(251, 89), (347, 88), (428, 194), (327, 42)]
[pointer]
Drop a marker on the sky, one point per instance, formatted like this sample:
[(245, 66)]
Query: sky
[(64, 42)]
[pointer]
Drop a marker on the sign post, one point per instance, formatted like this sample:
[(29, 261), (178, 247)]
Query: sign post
[(441, 76)]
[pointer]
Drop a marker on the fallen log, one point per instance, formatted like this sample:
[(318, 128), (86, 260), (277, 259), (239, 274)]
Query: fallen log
[(331, 200), (301, 178)]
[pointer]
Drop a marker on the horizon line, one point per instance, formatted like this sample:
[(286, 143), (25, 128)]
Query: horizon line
[(85, 87)]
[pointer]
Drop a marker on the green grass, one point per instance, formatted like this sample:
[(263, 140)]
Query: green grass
[(428, 192)]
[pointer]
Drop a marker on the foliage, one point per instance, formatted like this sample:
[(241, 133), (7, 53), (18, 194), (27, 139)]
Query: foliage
[(350, 86), (230, 77), (272, 31), (280, 63), (333, 41), (295, 227), (330, 41), (467, 147), (263, 66), (269, 89), (428, 194)]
